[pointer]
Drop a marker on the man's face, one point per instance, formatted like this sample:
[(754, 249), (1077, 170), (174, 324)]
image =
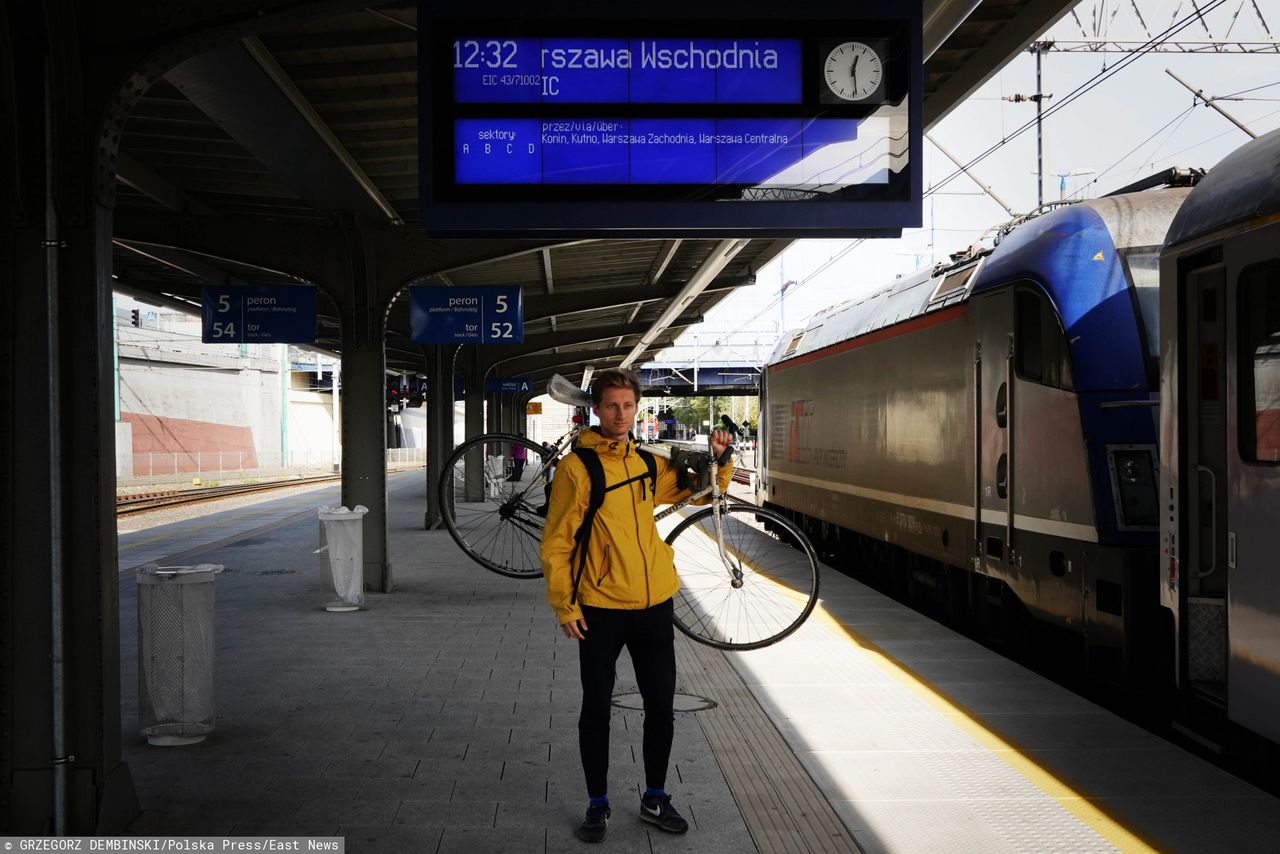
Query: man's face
[(617, 412)]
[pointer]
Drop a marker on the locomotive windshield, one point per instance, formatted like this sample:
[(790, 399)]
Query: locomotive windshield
[(1142, 264)]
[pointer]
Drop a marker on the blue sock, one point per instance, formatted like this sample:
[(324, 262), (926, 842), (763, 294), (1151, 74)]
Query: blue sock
[(650, 792), (602, 801)]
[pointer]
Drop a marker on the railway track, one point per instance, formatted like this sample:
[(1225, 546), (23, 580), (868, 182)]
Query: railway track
[(154, 500), (143, 502)]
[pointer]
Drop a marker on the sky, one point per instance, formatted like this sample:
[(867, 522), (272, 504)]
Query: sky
[(1136, 122)]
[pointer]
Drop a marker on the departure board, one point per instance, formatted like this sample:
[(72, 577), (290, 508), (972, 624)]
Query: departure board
[(780, 122)]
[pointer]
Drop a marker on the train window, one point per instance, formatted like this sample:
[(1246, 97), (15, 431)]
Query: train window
[(1142, 263), (794, 345), (1041, 346), (954, 281), (1258, 304)]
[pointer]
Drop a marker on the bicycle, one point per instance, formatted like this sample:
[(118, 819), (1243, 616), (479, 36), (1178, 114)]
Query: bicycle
[(748, 575)]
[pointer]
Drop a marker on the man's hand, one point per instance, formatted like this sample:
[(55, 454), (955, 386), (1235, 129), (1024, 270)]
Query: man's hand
[(576, 629), (720, 439)]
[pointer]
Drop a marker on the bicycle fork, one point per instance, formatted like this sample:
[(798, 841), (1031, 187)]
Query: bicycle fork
[(735, 568)]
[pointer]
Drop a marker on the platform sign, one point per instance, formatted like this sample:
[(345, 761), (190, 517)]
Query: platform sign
[(533, 407), (258, 314), (732, 119), (466, 315), (517, 384)]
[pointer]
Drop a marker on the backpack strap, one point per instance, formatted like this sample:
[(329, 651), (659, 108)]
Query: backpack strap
[(652, 465), (595, 474), (582, 537)]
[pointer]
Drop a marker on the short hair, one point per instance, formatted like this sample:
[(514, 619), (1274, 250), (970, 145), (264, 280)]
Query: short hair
[(613, 378)]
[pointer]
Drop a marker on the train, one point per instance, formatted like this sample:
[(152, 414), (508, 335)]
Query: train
[(1034, 433), (987, 427), (1220, 437)]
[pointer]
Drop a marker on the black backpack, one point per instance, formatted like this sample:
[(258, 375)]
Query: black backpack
[(595, 472)]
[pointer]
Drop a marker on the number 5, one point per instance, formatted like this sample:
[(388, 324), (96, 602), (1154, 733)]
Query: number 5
[(224, 302), (502, 303)]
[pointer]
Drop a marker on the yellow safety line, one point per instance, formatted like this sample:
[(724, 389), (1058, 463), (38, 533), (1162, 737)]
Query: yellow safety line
[(1079, 804), (1073, 801)]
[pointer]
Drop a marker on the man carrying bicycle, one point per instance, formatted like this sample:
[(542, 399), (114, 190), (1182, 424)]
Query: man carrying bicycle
[(618, 591)]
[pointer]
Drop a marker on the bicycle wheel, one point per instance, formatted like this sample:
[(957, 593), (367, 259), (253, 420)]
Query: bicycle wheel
[(491, 502), (767, 591)]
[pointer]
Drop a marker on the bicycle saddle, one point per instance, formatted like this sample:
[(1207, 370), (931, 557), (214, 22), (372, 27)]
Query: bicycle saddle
[(563, 391)]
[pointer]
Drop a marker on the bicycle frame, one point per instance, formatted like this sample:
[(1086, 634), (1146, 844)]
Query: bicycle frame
[(563, 391), (718, 500)]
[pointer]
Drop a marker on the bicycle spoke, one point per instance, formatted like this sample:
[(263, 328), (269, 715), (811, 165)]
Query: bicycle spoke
[(499, 527), (777, 589)]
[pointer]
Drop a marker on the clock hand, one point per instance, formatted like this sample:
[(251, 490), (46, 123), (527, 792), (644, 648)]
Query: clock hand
[(854, 72)]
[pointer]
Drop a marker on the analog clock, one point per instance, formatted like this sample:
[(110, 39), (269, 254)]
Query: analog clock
[(853, 71)]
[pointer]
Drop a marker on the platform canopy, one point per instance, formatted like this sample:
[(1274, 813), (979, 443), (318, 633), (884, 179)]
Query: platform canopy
[(305, 116)]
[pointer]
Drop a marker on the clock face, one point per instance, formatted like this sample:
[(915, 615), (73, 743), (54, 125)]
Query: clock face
[(853, 71)]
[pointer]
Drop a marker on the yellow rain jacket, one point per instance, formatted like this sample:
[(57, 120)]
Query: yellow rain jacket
[(628, 564)]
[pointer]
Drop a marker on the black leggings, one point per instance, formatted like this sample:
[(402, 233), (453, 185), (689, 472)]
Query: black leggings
[(648, 634)]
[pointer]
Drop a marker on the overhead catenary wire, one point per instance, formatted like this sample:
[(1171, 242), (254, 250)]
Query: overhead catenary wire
[(1152, 158), (1085, 88), (1122, 158), (821, 269), (1177, 25), (1180, 118), (1221, 135), (1070, 97)]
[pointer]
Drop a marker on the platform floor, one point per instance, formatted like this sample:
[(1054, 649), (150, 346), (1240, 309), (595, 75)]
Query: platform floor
[(442, 718)]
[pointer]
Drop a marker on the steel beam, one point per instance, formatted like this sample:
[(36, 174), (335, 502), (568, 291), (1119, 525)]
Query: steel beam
[(720, 256), (530, 364), (147, 182), (232, 89), (573, 302)]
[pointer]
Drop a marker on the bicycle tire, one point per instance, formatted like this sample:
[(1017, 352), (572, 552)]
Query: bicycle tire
[(779, 584), (497, 525)]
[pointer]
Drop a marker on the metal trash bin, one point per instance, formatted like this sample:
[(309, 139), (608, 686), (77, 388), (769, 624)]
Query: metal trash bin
[(342, 542), (175, 653)]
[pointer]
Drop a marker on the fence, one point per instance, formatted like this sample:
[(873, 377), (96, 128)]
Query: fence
[(182, 465)]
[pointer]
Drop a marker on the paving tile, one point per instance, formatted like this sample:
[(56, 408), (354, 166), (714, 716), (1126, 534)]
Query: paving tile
[(499, 790), (313, 787), (346, 811), (416, 789), (451, 814), (444, 717), (375, 768), (493, 840), (391, 839)]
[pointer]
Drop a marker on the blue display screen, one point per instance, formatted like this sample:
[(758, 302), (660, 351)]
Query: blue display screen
[(626, 71), (674, 118), (763, 151)]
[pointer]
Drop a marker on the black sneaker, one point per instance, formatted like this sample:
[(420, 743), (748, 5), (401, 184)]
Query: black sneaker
[(658, 810), (595, 826)]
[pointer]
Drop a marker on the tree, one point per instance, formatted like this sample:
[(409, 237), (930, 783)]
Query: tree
[(692, 411)]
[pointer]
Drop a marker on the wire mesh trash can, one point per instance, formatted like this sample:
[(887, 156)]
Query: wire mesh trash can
[(175, 653), (342, 542)]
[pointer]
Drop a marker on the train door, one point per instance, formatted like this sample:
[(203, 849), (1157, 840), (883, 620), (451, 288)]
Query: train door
[(1205, 478), (1249, 525), (993, 367)]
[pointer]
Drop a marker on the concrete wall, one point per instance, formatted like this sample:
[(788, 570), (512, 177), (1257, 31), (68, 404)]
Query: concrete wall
[(312, 433), (556, 420), (182, 396), (413, 422)]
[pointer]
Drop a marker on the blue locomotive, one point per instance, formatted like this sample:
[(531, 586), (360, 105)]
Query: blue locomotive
[(986, 429)]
